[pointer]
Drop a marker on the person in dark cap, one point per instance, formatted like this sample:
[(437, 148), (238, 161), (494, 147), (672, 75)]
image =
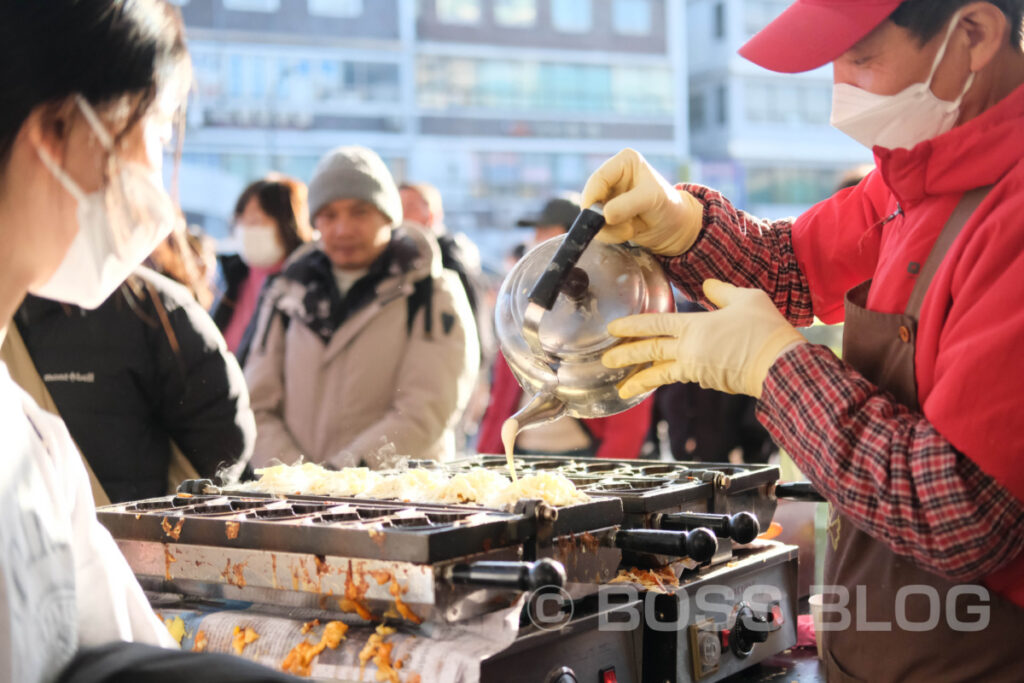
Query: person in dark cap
[(914, 436), (616, 436), (364, 346)]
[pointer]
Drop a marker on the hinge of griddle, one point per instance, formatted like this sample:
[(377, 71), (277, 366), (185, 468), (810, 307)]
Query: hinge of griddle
[(543, 516)]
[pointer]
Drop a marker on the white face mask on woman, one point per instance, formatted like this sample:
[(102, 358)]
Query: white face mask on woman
[(903, 120), (119, 225), (260, 246)]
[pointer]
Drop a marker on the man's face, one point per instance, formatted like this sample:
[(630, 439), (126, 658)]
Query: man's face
[(890, 58), (354, 233), (415, 208), (542, 233)]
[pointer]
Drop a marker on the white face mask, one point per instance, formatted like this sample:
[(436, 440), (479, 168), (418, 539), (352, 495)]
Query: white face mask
[(260, 247), (896, 121), (118, 226)]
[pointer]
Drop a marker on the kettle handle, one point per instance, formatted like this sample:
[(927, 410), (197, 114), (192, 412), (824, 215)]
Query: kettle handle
[(580, 235)]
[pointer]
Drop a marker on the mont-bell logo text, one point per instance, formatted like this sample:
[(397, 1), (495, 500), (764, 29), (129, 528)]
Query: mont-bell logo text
[(72, 377)]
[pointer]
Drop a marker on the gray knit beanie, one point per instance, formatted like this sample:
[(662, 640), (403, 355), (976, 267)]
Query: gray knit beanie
[(354, 173)]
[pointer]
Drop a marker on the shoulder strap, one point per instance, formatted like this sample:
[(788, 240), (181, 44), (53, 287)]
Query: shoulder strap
[(23, 371), (957, 220)]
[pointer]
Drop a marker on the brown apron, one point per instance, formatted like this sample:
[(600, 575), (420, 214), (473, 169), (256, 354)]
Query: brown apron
[(874, 647)]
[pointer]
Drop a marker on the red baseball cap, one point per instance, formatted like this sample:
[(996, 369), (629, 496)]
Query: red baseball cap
[(812, 33)]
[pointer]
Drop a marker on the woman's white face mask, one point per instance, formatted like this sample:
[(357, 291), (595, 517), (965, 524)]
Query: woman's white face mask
[(260, 246), (119, 225), (902, 120)]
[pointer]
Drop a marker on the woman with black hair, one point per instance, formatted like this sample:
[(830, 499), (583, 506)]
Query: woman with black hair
[(271, 221), (89, 90)]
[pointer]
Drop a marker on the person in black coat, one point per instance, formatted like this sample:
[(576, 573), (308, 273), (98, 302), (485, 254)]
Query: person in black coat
[(145, 368)]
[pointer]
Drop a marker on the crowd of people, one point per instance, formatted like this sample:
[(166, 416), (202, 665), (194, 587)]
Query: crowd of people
[(352, 329)]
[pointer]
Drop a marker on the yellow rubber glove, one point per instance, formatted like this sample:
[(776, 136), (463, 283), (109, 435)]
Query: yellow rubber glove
[(730, 349), (641, 207)]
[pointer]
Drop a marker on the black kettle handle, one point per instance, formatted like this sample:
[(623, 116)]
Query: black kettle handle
[(580, 235)]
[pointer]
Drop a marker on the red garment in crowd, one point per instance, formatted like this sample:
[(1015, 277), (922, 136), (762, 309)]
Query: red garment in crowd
[(245, 306), (619, 436)]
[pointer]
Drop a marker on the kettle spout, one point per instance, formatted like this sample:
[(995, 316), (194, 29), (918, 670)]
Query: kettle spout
[(541, 409)]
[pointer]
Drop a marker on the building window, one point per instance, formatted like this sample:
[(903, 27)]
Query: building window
[(632, 17), (720, 20), (458, 11), (253, 5), (698, 114), (344, 9), (722, 97), (572, 16), (515, 13)]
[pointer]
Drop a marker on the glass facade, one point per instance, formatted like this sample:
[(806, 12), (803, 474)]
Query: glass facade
[(458, 11), (631, 17), (787, 103), (781, 185), (313, 83), (515, 13), (445, 83), (759, 13), (572, 16)]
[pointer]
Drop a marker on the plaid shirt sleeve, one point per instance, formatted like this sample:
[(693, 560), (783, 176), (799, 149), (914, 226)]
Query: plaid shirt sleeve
[(884, 467), (745, 251), (888, 469)]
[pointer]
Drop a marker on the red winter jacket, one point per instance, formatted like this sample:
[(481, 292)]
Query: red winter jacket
[(969, 358), (618, 436)]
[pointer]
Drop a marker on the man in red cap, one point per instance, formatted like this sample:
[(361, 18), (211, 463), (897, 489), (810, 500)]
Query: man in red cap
[(915, 436)]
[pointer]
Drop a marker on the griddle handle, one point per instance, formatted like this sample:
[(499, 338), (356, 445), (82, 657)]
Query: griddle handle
[(196, 487), (799, 490), (700, 544), (524, 576), (580, 235), (741, 527)]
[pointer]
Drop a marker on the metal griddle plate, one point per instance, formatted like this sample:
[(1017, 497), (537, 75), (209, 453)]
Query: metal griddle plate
[(350, 527), (647, 486)]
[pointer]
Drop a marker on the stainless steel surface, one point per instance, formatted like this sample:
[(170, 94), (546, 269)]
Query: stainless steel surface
[(558, 352), (332, 584), (754, 579)]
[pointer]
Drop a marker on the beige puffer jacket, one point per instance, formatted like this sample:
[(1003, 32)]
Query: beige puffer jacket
[(375, 390)]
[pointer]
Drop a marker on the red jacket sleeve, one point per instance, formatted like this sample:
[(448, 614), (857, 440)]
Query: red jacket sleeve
[(622, 435), (505, 395)]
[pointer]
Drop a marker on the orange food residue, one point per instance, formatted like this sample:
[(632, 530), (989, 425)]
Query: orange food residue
[(199, 645), (300, 660), (309, 626), (175, 531), (231, 529), (403, 609), (243, 637), (379, 651)]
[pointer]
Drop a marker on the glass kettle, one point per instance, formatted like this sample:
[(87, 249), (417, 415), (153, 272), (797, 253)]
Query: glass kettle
[(552, 314)]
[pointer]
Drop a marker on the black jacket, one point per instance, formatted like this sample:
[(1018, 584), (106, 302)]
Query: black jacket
[(124, 387)]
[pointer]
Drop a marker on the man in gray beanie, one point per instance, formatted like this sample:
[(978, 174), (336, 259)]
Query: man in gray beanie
[(365, 347)]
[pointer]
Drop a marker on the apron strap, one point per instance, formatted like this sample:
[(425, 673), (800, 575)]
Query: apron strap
[(957, 220)]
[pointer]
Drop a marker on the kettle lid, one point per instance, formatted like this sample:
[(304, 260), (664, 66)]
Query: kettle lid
[(612, 282)]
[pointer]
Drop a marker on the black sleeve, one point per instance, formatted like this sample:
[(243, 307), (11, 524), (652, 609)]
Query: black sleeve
[(204, 403)]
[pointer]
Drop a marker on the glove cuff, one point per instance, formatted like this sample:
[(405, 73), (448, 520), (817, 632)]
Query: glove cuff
[(688, 230), (781, 339)]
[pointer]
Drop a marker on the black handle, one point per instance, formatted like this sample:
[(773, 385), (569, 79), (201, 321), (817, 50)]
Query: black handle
[(741, 527), (799, 490), (580, 235), (524, 576), (699, 544), (196, 487)]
